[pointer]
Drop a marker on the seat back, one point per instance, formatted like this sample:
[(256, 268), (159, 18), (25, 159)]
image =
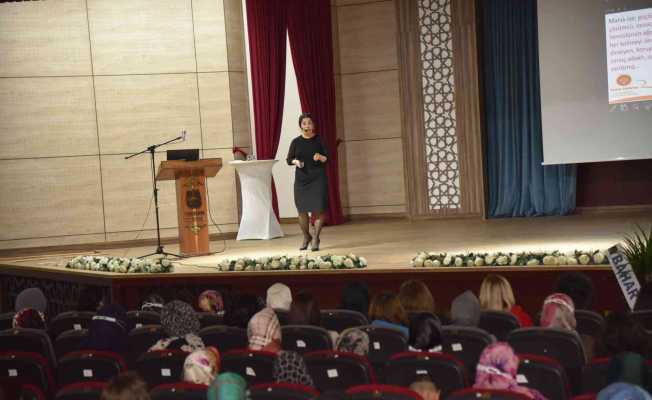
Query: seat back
[(209, 319), (137, 319), (644, 317), (545, 375), (339, 320), (488, 394), (444, 370), (282, 391), (179, 391), (70, 320), (282, 316), (141, 339), (336, 371), (382, 392), (27, 368), (7, 320), (29, 341), (81, 391), (589, 323), (161, 366), (224, 338), (466, 344), (305, 338), (595, 375), (254, 366), (498, 323), (383, 343), (31, 392), (69, 341), (88, 365)]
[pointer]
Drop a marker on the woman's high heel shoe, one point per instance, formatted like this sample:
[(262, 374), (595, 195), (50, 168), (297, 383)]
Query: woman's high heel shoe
[(306, 241), (315, 244)]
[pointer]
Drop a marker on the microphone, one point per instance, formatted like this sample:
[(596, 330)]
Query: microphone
[(183, 135)]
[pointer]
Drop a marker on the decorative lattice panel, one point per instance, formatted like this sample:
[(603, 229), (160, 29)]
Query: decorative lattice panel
[(439, 104)]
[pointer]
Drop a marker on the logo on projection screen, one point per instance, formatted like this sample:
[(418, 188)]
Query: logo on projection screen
[(624, 80)]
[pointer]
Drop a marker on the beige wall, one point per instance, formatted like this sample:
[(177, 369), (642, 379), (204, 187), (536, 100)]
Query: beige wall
[(368, 107), (85, 82)]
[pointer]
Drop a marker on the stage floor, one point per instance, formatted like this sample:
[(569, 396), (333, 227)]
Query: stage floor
[(391, 243)]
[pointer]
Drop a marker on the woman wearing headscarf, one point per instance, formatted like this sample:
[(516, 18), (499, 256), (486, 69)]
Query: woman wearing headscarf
[(211, 301), (202, 366), (181, 325), (264, 331), (279, 297), (497, 370), (353, 340), (559, 312), (289, 367), (108, 330), (29, 318), (465, 310), (623, 391), (227, 386), (32, 298), (153, 303)]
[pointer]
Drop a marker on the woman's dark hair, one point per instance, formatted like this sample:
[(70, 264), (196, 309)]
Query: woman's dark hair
[(578, 286), (241, 309), (91, 298), (304, 116), (387, 307), (355, 297), (622, 333), (425, 331), (304, 310)]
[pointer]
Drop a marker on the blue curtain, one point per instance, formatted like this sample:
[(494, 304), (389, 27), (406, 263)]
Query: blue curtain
[(519, 186)]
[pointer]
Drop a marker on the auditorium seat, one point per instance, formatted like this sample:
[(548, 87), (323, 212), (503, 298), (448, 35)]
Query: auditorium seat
[(254, 366), (81, 391), (69, 320), (7, 320), (179, 391), (137, 319), (586, 396), (337, 371), (141, 339), (31, 392), (383, 343), (381, 392), (282, 391), (486, 394), (69, 341), (305, 338), (447, 372), (28, 340), (339, 320), (209, 319), (224, 338), (644, 317), (563, 346), (589, 323), (161, 366), (545, 375), (27, 368), (282, 316), (498, 323), (595, 376), (465, 343), (89, 365)]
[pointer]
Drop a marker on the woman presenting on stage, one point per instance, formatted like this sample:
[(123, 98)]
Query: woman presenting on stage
[(308, 154)]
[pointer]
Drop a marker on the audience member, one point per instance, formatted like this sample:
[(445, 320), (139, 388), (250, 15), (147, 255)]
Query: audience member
[(108, 330), (578, 286), (558, 312), (465, 310), (227, 386), (386, 311), (91, 298), (202, 366), (623, 391), (416, 298), (425, 333), (426, 388), (211, 301), (264, 331), (304, 310), (126, 386), (240, 310), (497, 370), (355, 297), (32, 298), (353, 340), (496, 295), (289, 367), (153, 303), (622, 333), (181, 325), (29, 318), (279, 297)]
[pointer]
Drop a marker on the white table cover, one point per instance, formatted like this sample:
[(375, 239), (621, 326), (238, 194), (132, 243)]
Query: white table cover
[(258, 219)]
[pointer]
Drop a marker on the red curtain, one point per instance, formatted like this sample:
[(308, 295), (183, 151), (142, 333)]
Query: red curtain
[(267, 27), (309, 29)]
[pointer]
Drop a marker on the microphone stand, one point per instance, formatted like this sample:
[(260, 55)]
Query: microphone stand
[(151, 149)]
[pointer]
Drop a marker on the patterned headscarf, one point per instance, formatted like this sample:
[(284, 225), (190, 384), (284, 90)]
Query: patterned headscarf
[(263, 328), (31, 298), (353, 340), (289, 367), (108, 330), (202, 366), (227, 386), (215, 299), (179, 319), (558, 312), (497, 370), (279, 296), (620, 391), (29, 318), (465, 309)]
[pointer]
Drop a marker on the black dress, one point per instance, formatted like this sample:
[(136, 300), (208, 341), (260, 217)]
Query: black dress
[(310, 182)]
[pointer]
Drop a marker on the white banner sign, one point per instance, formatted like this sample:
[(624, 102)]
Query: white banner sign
[(624, 274)]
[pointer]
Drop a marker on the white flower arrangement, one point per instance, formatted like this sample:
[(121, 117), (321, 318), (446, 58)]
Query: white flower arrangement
[(120, 264), (433, 259), (287, 263)]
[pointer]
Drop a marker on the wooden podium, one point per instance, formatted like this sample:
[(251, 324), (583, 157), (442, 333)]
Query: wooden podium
[(192, 213)]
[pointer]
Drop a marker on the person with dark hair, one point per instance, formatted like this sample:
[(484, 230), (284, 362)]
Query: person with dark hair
[(108, 330), (126, 386), (622, 333), (425, 333), (304, 310), (355, 297), (578, 286), (241, 309), (386, 311), (308, 154), (91, 298)]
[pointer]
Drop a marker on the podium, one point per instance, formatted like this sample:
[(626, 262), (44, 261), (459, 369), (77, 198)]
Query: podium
[(192, 212), (258, 219)]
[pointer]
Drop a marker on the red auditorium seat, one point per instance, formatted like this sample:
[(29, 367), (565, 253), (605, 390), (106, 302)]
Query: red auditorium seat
[(486, 394), (141, 339), (282, 391), (447, 372), (589, 323), (31, 392), (337, 371), (381, 392), (137, 319), (383, 343), (88, 365), (81, 391), (30, 341), (594, 375), (545, 375), (179, 391), (27, 368), (69, 320), (254, 366), (586, 396), (305, 338), (498, 323), (69, 341), (339, 320), (224, 338), (161, 366), (465, 344)]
